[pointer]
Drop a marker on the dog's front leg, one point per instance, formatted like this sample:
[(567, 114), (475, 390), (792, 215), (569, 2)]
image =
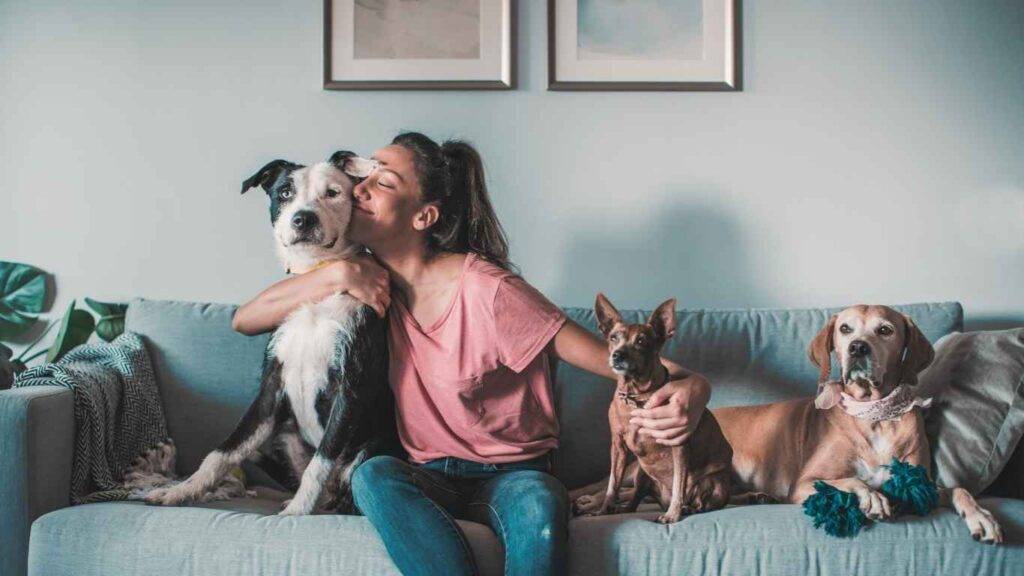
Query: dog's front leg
[(679, 476), (980, 522), (256, 425), (641, 483), (872, 503), (611, 494), (983, 525), (339, 445)]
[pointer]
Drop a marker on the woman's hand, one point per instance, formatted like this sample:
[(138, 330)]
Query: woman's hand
[(367, 281), (672, 413)]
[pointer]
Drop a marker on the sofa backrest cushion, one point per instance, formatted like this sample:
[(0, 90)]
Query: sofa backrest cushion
[(209, 374)]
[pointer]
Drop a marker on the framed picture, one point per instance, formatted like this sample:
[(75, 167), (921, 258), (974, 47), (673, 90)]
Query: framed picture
[(419, 44), (644, 45)]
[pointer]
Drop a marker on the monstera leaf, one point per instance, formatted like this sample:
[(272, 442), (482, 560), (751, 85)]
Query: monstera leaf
[(22, 296), (111, 323), (75, 329)]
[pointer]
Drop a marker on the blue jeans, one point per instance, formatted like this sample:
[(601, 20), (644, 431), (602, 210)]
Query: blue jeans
[(413, 507)]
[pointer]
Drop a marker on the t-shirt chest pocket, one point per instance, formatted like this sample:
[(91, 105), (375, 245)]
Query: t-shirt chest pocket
[(457, 394), (491, 401)]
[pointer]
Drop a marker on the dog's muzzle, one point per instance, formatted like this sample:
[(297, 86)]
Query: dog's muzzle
[(862, 368), (618, 361), (306, 226)]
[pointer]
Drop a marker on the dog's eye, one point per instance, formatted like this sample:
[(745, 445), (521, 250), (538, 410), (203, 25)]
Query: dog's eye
[(641, 341), (845, 329), (885, 330), (332, 193), (285, 193), (614, 337)]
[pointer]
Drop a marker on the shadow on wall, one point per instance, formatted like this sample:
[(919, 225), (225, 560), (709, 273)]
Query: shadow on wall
[(692, 251)]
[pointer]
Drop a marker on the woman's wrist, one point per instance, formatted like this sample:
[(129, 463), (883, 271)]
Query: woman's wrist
[(338, 276)]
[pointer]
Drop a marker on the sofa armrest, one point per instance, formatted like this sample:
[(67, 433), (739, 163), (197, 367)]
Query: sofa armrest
[(37, 432)]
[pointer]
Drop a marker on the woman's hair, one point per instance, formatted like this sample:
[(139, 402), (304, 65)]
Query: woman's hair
[(452, 174)]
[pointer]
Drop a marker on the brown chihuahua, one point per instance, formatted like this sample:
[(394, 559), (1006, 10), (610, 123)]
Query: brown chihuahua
[(685, 479)]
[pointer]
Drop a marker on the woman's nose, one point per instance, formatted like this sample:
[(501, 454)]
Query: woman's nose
[(361, 191)]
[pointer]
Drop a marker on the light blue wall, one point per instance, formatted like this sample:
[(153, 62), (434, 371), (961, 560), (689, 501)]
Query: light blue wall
[(876, 154)]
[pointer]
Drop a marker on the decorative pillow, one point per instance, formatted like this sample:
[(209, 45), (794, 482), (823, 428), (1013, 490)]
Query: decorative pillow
[(977, 382)]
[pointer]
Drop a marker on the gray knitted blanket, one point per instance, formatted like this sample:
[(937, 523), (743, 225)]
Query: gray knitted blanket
[(122, 449)]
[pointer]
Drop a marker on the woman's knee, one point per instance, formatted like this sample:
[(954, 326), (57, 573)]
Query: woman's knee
[(540, 501), (376, 472)]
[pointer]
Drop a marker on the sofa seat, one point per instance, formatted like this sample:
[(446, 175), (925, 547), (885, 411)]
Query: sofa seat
[(240, 537), (245, 537), (780, 539)]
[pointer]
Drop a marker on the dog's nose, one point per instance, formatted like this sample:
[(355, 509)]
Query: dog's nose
[(618, 356), (303, 220), (859, 349)]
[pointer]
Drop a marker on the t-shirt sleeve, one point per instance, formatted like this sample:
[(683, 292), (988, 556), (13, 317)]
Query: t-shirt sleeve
[(524, 320)]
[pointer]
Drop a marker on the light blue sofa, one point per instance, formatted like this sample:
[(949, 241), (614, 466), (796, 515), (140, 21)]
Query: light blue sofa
[(208, 375)]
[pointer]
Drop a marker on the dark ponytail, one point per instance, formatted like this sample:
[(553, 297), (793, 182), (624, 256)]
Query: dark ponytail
[(452, 174)]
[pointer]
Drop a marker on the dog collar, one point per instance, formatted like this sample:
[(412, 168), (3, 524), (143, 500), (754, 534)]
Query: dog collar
[(631, 400), (897, 403)]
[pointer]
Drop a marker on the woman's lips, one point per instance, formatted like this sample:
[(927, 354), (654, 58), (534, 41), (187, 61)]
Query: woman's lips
[(361, 209)]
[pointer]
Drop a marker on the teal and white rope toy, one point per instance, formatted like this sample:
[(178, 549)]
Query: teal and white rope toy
[(908, 488)]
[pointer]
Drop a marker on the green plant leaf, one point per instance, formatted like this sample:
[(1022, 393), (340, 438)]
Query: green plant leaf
[(111, 322), (112, 318), (75, 329), (22, 296), (106, 308), (12, 316)]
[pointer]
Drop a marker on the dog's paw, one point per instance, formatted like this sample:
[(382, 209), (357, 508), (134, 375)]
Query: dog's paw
[(586, 505), (874, 505), (983, 526), (292, 508), (667, 518), (168, 496), (295, 507)]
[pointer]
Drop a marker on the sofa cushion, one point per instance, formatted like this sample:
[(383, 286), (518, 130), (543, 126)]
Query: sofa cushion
[(750, 357), (239, 536), (779, 539), (977, 380), (208, 374)]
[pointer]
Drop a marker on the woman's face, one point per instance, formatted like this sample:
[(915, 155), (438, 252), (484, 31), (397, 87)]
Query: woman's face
[(386, 203)]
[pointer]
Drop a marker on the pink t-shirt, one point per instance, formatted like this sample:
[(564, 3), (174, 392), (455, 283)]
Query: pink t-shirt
[(475, 384)]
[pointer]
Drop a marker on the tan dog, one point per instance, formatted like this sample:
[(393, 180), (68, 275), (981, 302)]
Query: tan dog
[(781, 449), (685, 479)]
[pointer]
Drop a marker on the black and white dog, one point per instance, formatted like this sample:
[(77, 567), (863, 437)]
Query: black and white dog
[(326, 367)]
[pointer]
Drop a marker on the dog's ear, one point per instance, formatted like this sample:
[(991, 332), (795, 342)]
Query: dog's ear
[(918, 352), (663, 319), (607, 315), (820, 351), (266, 175), (351, 164), (828, 395)]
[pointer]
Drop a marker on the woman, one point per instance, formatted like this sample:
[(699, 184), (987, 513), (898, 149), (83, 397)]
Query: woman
[(470, 345)]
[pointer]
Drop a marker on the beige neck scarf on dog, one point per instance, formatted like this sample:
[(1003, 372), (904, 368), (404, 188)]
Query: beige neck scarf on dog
[(900, 401)]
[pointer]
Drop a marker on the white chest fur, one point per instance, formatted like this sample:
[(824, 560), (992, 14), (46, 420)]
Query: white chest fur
[(308, 345), (874, 475)]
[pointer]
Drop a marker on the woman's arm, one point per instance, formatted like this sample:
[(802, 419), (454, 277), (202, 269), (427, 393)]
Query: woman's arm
[(361, 277), (672, 412)]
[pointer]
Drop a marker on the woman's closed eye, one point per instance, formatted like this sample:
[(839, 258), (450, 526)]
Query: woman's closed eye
[(385, 184)]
